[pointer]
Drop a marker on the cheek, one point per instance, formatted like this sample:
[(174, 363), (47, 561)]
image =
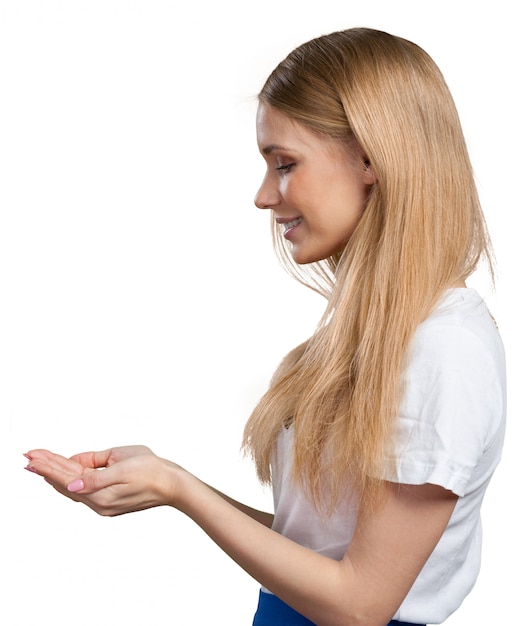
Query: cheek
[(292, 190), (307, 187), (354, 198)]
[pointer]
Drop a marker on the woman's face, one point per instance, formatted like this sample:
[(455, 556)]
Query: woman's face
[(315, 186)]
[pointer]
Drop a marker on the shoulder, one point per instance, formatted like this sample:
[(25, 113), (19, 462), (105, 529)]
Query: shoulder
[(454, 394), (460, 333), (456, 362)]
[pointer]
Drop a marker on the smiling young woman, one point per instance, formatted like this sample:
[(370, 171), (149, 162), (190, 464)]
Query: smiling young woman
[(380, 433), (316, 186)]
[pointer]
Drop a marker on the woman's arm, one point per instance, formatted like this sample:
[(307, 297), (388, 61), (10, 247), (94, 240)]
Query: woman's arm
[(266, 519), (365, 588), (61, 472)]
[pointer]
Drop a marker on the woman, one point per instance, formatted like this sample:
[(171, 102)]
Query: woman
[(379, 434)]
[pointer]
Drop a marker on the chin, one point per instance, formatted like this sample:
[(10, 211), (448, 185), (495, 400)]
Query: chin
[(301, 258)]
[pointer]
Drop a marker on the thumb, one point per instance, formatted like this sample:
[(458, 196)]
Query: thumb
[(76, 485), (93, 481)]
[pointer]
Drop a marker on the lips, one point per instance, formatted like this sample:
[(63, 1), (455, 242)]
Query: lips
[(291, 224)]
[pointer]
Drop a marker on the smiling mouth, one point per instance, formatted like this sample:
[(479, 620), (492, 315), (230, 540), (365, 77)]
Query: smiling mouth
[(292, 224)]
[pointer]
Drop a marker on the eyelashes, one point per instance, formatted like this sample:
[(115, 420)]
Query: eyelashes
[(285, 168)]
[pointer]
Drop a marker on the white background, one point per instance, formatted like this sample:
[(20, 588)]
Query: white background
[(140, 300)]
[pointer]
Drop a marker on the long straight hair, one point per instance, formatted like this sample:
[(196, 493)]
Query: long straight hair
[(421, 232)]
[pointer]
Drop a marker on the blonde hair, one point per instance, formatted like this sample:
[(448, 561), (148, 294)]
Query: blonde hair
[(422, 231)]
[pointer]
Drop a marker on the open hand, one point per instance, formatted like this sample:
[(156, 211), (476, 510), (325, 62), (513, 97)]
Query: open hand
[(111, 482)]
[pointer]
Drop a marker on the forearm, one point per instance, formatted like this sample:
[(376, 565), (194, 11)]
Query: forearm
[(365, 588), (312, 584), (266, 519)]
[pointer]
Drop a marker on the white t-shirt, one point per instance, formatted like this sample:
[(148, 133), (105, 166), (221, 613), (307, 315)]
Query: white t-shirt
[(450, 433)]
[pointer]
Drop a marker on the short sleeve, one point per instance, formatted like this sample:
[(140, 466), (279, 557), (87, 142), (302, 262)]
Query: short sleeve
[(453, 403)]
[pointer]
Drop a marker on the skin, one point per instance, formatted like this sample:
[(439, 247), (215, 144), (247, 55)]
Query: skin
[(311, 177), (326, 186), (365, 588)]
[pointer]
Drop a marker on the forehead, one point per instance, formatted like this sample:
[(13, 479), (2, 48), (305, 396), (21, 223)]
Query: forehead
[(268, 115), (277, 131), (277, 128)]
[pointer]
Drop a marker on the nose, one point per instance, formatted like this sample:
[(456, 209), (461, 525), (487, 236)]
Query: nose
[(267, 195)]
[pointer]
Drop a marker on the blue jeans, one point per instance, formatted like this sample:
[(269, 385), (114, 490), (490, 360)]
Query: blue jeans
[(272, 611)]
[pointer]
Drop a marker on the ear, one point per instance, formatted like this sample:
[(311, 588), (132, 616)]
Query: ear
[(369, 176)]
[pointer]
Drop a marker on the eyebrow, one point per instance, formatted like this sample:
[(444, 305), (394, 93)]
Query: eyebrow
[(272, 148)]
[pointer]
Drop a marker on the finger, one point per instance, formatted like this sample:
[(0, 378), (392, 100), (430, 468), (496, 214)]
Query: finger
[(94, 481), (39, 453), (92, 460), (42, 458), (52, 471)]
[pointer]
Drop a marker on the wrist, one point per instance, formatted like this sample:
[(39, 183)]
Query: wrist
[(172, 484)]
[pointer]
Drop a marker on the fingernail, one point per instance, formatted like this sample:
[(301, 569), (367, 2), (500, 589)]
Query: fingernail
[(27, 456), (76, 485), (30, 469)]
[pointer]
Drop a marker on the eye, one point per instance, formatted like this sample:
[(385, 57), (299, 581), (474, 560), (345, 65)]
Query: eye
[(285, 168)]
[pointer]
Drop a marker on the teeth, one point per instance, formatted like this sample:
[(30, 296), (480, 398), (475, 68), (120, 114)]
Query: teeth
[(292, 224)]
